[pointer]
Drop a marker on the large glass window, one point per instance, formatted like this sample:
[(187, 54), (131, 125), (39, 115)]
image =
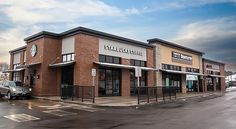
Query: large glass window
[(16, 76), (16, 65), (68, 57), (133, 79), (109, 82), (193, 70), (109, 59), (169, 79), (171, 67)]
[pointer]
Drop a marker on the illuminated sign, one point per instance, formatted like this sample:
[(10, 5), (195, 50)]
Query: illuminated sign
[(181, 58)]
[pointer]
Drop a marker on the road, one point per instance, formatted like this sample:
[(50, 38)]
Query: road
[(208, 113)]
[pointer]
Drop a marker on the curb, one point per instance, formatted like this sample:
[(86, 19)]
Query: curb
[(133, 106)]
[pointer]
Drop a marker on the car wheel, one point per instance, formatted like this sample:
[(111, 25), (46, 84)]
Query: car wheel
[(9, 97)]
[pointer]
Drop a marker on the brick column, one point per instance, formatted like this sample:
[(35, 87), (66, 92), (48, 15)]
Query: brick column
[(125, 78)]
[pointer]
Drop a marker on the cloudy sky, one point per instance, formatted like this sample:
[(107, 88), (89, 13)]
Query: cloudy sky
[(205, 25)]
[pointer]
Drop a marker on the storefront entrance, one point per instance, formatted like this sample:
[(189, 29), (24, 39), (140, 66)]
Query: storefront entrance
[(109, 82), (171, 79), (67, 75)]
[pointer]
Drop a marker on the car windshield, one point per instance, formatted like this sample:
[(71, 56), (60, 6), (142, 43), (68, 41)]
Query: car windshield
[(12, 84), (18, 84)]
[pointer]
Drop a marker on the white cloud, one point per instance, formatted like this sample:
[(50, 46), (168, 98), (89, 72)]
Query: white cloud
[(10, 39), (27, 17), (44, 11), (215, 37), (180, 4), (207, 30)]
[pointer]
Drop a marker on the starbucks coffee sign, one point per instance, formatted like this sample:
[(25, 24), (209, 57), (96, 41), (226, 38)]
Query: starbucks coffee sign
[(33, 50), (181, 58), (113, 48)]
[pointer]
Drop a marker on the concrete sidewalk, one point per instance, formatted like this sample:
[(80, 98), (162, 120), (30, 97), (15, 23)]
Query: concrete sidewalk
[(131, 101)]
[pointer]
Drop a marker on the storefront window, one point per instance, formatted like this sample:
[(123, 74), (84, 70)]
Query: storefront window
[(16, 65), (171, 67), (109, 59), (169, 79), (16, 76), (133, 79), (68, 57)]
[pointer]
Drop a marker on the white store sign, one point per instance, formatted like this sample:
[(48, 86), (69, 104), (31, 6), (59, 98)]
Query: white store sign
[(191, 77), (113, 48)]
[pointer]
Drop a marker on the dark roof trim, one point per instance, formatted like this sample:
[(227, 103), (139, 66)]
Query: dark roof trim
[(18, 49), (40, 34), (160, 41), (89, 32), (213, 61)]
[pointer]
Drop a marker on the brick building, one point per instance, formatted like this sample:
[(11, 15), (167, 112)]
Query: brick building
[(214, 79), (178, 66), (50, 61)]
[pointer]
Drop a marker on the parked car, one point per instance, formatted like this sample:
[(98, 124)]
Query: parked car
[(11, 89)]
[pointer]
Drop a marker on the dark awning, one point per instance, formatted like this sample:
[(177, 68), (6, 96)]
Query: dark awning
[(214, 75), (62, 64), (28, 65), (13, 70), (180, 72)]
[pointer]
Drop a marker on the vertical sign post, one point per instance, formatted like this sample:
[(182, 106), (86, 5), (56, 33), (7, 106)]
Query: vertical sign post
[(138, 74), (93, 75)]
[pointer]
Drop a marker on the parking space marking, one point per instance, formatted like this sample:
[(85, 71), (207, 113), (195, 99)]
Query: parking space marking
[(57, 106), (60, 112), (21, 117), (88, 109)]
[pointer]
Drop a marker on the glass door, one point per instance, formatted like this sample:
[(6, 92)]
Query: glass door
[(109, 82)]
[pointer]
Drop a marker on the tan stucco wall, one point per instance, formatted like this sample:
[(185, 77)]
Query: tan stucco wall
[(166, 57)]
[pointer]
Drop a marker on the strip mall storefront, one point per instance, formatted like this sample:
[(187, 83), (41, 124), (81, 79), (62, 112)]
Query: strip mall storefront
[(50, 61), (214, 79), (177, 66)]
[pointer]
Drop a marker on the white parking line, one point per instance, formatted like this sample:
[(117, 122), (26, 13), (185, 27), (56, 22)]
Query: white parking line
[(57, 106), (60, 112), (21, 117)]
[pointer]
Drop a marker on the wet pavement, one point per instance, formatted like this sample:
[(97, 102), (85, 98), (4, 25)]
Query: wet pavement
[(200, 113)]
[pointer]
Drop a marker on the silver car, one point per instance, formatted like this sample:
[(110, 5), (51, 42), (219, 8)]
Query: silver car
[(11, 89)]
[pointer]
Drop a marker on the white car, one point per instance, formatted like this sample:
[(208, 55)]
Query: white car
[(11, 89)]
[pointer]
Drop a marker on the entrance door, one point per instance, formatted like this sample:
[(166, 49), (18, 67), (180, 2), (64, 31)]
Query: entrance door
[(67, 75), (109, 82)]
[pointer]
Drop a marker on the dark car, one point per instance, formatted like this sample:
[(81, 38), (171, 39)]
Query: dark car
[(11, 89)]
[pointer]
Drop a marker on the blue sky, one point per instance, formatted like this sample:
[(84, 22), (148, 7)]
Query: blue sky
[(205, 25)]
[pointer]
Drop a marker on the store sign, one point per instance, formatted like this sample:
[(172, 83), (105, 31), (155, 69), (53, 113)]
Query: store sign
[(93, 73), (113, 48), (176, 56), (191, 77), (33, 50), (138, 72), (212, 67)]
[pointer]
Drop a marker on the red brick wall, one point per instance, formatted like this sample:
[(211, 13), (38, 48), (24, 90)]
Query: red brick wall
[(11, 66), (37, 88), (86, 52), (150, 64), (125, 78), (222, 79), (51, 80)]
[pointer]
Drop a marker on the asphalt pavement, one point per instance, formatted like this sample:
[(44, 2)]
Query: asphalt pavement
[(201, 113)]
